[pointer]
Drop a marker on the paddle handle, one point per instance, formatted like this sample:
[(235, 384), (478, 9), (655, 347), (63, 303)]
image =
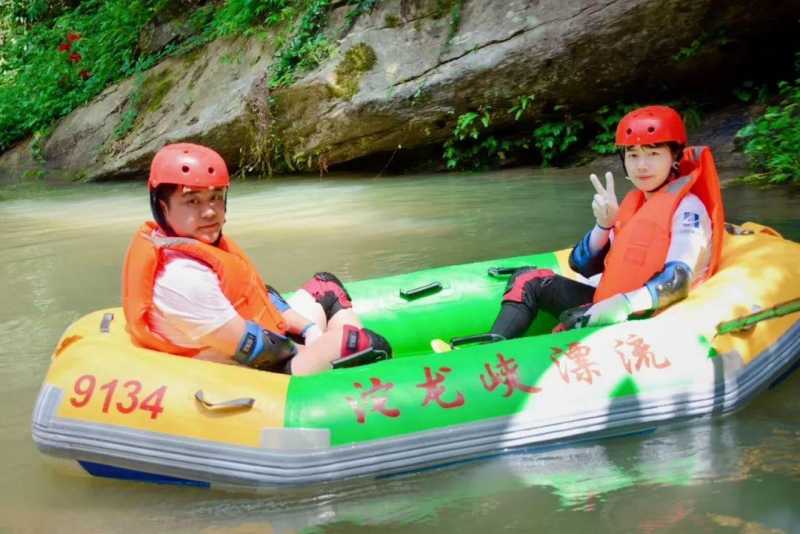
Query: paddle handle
[(746, 321)]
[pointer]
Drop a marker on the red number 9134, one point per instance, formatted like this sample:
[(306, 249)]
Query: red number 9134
[(128, 397)]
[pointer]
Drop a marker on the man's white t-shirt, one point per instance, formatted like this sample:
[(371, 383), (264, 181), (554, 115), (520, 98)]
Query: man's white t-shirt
[(188, 301)]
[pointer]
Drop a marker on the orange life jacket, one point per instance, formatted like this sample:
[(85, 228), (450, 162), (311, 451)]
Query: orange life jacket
[(239, 281), (643, 230)]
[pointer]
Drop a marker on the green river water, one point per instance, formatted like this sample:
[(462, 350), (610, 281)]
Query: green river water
[(62, 256)]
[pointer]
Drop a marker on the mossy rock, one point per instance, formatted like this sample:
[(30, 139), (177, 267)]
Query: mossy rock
[(145, 97), (154, 89), (358, 60), (443, 7), (391, 21), (189, 57)]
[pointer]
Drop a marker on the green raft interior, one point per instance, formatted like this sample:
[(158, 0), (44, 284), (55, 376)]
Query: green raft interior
[(448, 302), (469, 381)]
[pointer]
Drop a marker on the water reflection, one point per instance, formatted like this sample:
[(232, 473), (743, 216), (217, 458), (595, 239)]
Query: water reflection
[(61, 257)]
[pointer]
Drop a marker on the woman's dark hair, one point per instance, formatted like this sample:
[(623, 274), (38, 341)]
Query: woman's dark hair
[(677, 151)]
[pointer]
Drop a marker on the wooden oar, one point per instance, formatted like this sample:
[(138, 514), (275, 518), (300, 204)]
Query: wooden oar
[(746, 321)]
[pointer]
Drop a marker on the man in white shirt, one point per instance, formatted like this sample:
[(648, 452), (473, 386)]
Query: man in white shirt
[(190, 291)]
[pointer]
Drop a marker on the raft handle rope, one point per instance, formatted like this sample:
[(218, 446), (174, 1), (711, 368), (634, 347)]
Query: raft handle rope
[(421, 291), (233, 404), (500, 272), (746, 322)]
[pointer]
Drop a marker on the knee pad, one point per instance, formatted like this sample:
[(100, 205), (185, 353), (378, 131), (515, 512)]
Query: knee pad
[(524, 284), (329, 292), (361, 346)]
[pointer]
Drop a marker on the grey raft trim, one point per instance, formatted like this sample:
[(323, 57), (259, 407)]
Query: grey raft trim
[(295, 456)]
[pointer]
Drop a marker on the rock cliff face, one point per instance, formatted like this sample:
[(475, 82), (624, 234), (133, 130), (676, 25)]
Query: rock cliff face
[(201, 96), (404, 73)]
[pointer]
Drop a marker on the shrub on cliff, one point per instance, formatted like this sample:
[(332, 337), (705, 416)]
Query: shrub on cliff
[(56, 55), (772, 142), (51, 65)]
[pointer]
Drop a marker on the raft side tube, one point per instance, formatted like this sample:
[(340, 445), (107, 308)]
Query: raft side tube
[(217, 463)]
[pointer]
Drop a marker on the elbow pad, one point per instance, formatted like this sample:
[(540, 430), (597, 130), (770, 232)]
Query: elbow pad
[(669, 285), (582, 260), (262, 349)]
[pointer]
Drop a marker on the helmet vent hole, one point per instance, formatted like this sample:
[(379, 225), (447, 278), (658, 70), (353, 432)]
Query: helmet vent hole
[(651, 129), (211, 170), (185, 169)]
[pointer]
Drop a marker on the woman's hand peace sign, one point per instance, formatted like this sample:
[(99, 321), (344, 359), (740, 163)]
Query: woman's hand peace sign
[(604, 205)]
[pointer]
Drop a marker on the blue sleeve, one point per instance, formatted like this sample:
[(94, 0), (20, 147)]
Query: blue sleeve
[(582, 260), (277, 300)]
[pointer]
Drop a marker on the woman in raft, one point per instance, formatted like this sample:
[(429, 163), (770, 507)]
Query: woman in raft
[(665, 237)]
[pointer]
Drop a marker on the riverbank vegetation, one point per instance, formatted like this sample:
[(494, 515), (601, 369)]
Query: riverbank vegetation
[(57, 55), (560, 138), (772, 141)]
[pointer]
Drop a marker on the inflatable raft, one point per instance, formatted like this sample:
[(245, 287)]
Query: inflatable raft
[(114, 410)]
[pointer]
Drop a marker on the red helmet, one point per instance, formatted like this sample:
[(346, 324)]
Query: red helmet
[(651, 125), (190, 165)]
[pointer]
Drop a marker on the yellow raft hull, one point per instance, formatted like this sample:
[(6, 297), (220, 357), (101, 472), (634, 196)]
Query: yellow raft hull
[(126, 412)]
